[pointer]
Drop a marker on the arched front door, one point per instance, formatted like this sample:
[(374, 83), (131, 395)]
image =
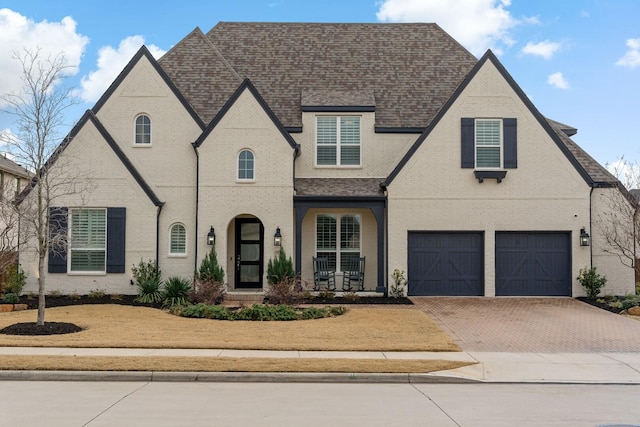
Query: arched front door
[(249, 253)]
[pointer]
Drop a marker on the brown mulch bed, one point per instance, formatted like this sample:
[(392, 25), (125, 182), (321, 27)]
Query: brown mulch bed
[(32, 328)]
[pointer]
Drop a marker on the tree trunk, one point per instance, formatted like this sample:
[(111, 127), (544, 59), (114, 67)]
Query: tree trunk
[(41, 288)]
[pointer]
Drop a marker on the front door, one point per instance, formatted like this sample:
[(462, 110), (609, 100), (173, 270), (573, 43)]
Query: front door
[(249, 253)]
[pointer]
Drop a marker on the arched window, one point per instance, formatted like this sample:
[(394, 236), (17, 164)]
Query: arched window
[(143, 129), (178, 240), (246, 166)]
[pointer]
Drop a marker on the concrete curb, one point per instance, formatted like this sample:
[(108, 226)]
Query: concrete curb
[(257, 377)]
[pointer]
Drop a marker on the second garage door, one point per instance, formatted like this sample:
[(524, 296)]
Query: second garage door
[(446, 264), (533, 264)]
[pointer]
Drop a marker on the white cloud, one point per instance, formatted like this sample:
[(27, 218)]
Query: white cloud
[(18, 32), (546, 49), (557, 80), (476, 24), (110, 63), (631, 59)]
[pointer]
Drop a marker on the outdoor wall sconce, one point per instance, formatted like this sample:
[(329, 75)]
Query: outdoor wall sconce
[(277, 238), (211, 237), (584, 237)]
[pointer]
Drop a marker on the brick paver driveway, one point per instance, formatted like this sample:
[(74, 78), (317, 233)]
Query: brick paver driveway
[(540, 325)]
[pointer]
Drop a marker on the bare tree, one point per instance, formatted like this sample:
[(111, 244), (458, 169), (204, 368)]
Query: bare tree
[(620, 223), (38, 109)]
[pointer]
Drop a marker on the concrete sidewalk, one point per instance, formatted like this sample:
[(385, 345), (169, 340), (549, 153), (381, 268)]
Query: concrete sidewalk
[(489, 367)]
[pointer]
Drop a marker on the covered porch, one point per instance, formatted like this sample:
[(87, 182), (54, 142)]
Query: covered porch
[(341, 221)]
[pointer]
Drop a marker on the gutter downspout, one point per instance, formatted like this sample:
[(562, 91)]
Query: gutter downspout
[(158, 234), (591, 226), (296, 154), (195, 240)]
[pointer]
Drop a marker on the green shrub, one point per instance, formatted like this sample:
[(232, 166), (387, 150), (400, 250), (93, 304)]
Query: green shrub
[(280, 269), (148, 278), (176, 292), (257, 312), (11, 298), (210, 269), (16, 279), (591, 281)]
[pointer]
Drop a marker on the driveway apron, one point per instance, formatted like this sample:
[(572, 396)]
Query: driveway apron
[(541, 325)]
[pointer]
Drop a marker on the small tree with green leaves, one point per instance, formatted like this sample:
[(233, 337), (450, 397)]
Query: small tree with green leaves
[(280, 268), (591, 281), (210, 269)]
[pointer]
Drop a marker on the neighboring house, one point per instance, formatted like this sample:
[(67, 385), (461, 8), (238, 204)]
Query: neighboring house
[(13, 179), (385, 141)]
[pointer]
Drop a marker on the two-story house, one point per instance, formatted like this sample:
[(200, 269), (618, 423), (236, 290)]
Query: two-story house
[(388, 142)]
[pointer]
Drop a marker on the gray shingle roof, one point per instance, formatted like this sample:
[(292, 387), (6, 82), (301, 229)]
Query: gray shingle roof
[(13, 168), (361, 187), (597, 172), (406, 71), (411, 69)]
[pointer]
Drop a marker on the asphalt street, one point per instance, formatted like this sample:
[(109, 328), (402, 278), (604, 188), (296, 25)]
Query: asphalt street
[(32, 403)]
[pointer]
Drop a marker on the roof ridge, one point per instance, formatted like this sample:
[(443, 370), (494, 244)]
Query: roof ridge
[(221, 56), (196, 30)]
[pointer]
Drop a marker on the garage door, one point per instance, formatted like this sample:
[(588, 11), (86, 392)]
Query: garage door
[(533, 264), (446, 264)]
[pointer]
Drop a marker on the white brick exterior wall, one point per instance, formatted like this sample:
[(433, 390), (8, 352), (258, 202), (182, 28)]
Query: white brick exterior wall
[(111, 186), (223, 198), (380, 152)]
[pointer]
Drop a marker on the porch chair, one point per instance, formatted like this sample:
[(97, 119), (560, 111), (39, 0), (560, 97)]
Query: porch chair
[(322, 275), (355, 275)]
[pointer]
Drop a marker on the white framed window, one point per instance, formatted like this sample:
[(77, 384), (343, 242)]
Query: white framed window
[(338, 141), (338, 239), (246, 166), (488, 143), (87, 240), (143, 130), (178, 240)]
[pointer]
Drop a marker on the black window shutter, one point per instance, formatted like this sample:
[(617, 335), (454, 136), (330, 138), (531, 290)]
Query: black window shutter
[(116, 228), (57, 262), (510, 135), (468, 143)]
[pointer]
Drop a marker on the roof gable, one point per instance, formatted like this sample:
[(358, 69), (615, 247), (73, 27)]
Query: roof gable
[(143, 52), (90, 117), (586, 166), (246, 85)]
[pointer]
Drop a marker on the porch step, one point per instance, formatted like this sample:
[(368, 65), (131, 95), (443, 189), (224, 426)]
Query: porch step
[(244, 297)]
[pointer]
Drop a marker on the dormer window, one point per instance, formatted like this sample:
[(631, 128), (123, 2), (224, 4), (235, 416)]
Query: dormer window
[(338, 141), (143, 130)]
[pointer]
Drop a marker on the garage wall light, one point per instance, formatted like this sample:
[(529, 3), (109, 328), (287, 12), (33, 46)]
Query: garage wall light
[(585, 239)]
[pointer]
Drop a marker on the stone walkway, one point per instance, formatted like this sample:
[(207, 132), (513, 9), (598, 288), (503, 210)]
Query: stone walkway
[(523, 325)]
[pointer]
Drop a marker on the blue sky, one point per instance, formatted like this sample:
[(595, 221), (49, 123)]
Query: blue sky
[(578, 61)]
